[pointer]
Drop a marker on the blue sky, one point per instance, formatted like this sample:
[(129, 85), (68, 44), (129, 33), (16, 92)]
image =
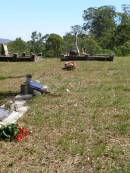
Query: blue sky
[(19, 18)]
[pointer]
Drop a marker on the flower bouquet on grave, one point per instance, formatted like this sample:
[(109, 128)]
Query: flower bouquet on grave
[(13, 132)]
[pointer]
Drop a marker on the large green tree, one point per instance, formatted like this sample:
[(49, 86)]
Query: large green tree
[(101, 23), (18, 46), (70, 38), (122, 33), (54, 45), (36, 43), (68, 42)]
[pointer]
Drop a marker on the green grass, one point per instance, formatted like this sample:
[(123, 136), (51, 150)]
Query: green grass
[(84, 130), (3, 77)]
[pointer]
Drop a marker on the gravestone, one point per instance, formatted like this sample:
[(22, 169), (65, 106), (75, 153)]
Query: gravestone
[(4, 50)]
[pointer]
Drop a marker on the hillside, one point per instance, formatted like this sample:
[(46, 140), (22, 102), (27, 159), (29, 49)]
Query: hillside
[(4, 41)]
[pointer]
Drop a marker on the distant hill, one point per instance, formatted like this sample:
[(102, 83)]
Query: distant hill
[(4, 41)]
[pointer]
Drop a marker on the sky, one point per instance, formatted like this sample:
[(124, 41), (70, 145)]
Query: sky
[(19, 18)]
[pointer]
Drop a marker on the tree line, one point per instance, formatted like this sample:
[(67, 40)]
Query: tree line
[(104, 30)]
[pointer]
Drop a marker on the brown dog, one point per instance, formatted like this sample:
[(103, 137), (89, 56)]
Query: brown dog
[(69, 65)]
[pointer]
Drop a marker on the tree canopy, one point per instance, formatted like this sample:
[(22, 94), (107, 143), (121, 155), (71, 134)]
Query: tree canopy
[(104, 30), (54, 45)]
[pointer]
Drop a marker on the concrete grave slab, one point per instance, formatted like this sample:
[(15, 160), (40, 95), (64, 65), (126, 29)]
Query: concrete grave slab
[(18, 109), (14, 116)]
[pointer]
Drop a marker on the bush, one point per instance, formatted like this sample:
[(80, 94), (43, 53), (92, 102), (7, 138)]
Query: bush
[(54, 45), (123, 50), (49, 53), (117, 51), (108, 51), (91, 46), (18, 46)]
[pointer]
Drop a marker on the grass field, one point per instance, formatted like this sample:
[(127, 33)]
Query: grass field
[(85, 130)]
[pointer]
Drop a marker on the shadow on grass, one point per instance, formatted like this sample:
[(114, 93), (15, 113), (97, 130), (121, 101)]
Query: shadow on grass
[(127, 89), (11, 77), (6, 95)]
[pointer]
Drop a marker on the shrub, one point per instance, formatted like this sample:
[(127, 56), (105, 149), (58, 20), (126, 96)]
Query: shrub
[(91, 46), (123, 50), (108, 51)]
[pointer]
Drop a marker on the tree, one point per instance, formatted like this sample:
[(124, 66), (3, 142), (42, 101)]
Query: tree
[(100, 23), (37, 42), (123, 50), (126, 9), (68, 42), (18, 46), (54, 45), (90, 45), (122, 33), (76, 30)]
